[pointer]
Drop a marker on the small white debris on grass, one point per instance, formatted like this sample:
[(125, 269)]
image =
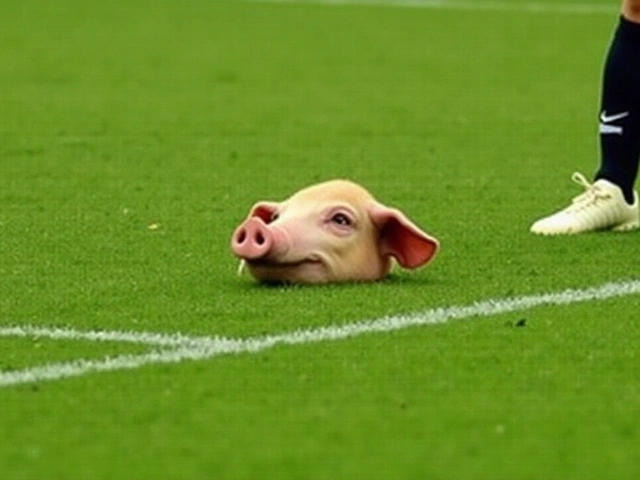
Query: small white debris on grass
[(241, 267)]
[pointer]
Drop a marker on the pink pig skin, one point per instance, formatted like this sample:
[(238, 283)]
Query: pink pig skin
[(330, 232)]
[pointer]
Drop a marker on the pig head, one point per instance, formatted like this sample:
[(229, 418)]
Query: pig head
[(330, 232)]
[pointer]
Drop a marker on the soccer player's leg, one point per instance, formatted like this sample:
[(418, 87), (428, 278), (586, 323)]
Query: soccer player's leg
[(611, 203)]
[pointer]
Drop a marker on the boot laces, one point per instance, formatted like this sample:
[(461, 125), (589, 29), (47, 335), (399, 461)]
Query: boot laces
[(591, 196)]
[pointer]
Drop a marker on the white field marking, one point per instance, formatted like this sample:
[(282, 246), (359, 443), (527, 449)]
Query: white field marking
[(144, 338), (178, 348), (496, 6)]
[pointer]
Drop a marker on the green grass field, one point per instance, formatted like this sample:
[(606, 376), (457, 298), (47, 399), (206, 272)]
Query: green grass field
[(135, 135)]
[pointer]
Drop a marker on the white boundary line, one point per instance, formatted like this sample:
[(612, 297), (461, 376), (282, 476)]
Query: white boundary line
[(478, 5), (178, 348), (144, 338)]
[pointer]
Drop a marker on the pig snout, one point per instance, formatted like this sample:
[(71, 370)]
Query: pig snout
[(252, 240)]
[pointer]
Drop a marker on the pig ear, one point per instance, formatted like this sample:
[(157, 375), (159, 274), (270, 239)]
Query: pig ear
[(401, 238), (264, 211)]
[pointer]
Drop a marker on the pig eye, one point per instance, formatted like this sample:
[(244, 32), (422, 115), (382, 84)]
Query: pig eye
[(274, 217), (341, 219)]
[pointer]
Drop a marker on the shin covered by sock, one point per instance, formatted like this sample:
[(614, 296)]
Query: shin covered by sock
[(620, 112)]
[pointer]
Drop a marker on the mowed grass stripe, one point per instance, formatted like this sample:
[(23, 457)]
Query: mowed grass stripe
[(524, 7), (200, 348)]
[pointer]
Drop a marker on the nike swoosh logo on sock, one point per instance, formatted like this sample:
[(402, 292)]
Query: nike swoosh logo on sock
[(604, 118)]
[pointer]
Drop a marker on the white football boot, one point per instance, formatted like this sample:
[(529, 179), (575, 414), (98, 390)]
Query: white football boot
[(601, 207)]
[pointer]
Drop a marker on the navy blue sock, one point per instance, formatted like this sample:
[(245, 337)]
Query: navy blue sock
[(620, 112)]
